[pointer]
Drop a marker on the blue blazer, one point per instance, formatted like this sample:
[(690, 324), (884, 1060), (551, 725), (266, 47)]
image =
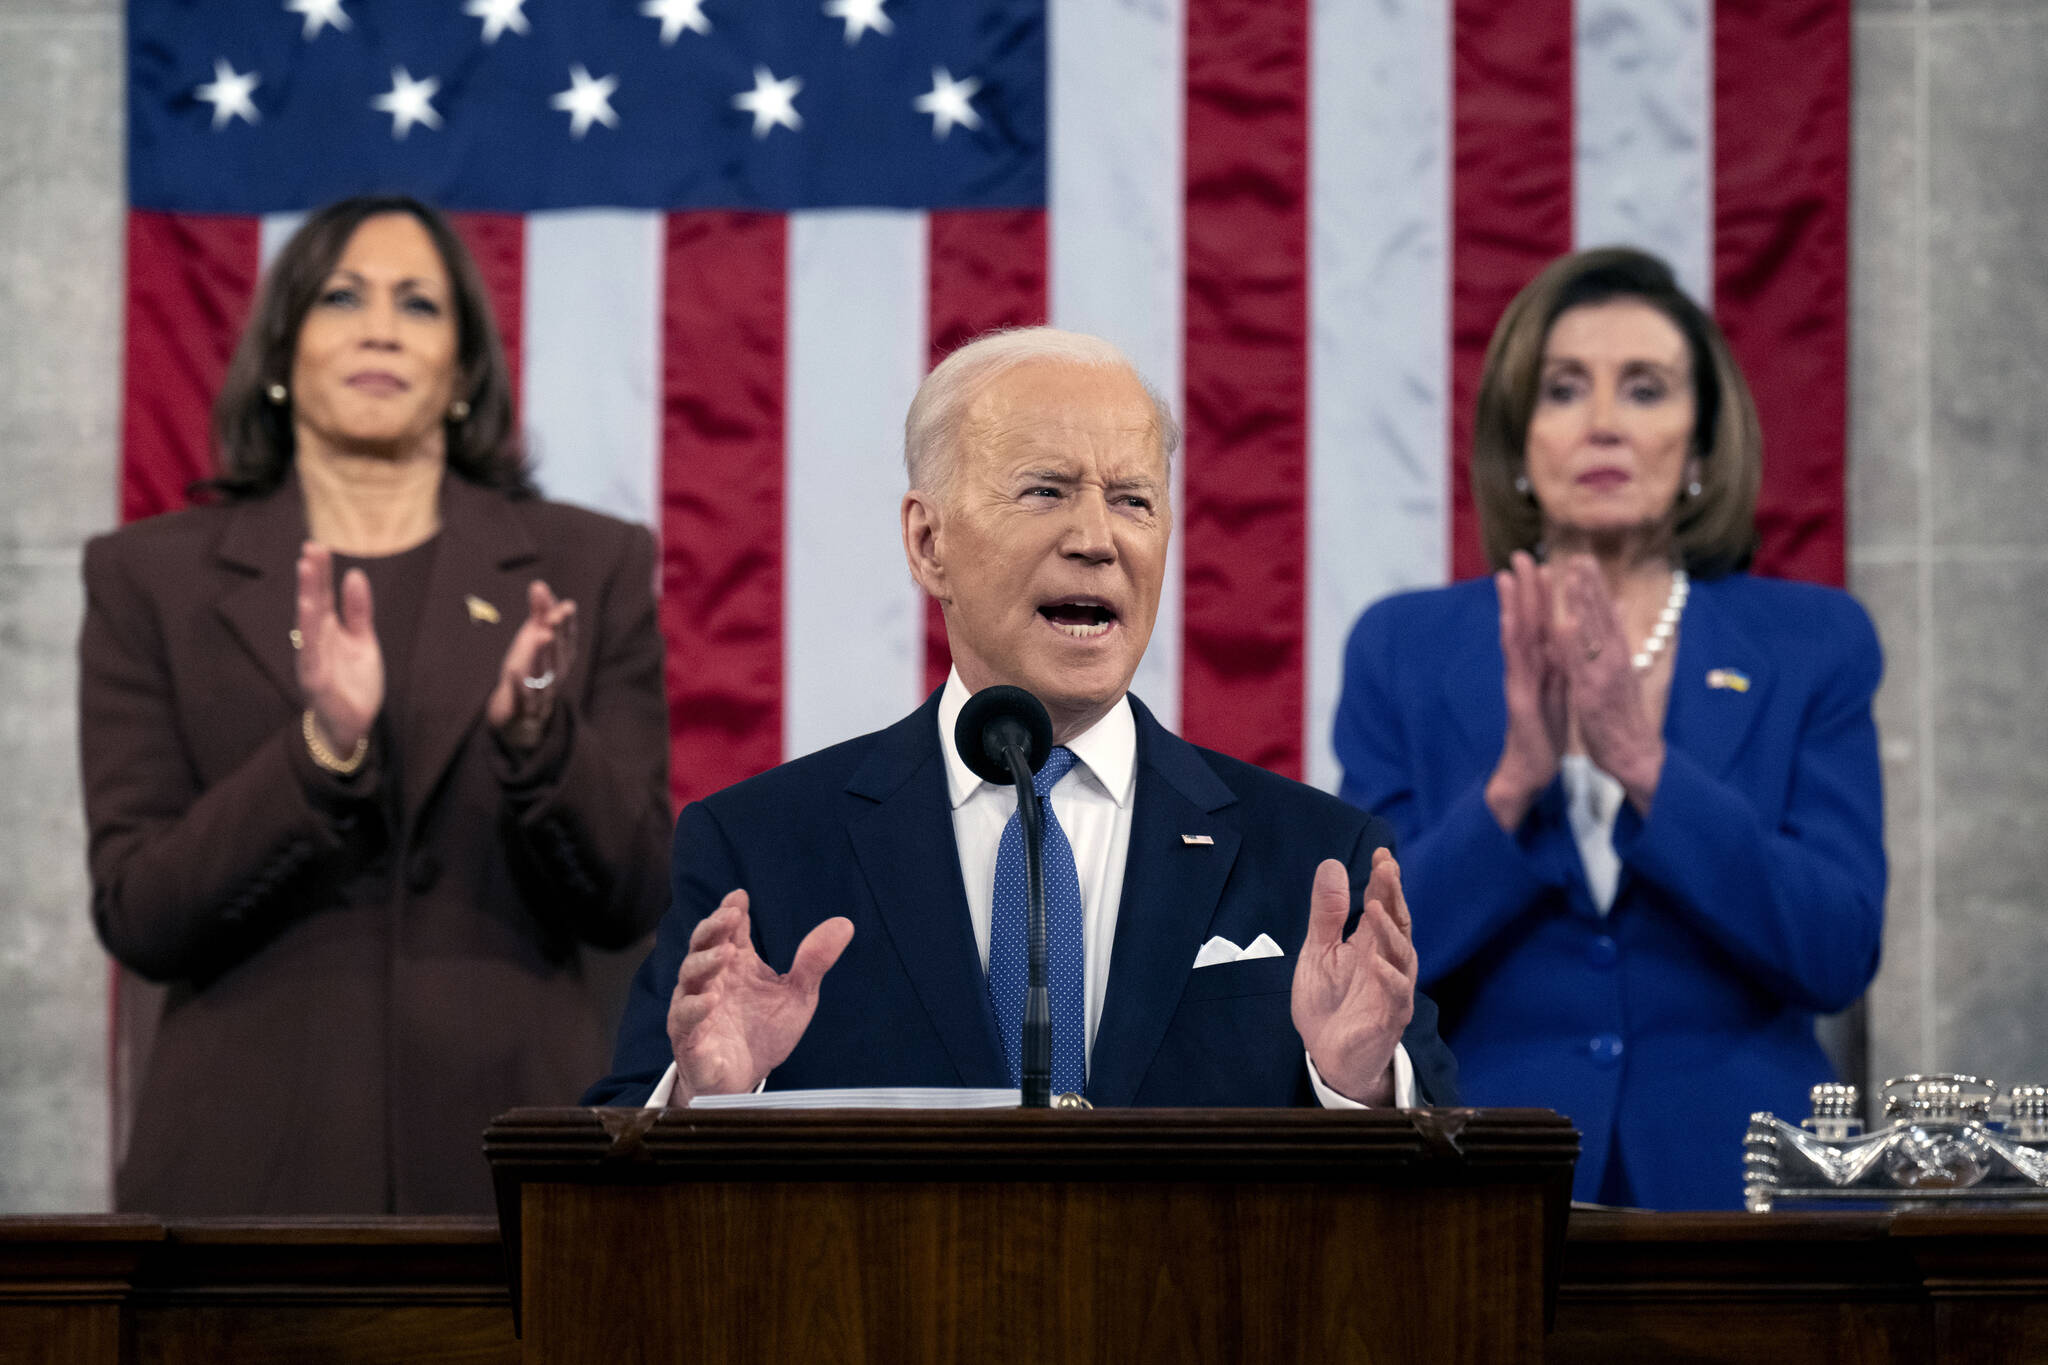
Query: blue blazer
[(865, 830), (1751, 898)]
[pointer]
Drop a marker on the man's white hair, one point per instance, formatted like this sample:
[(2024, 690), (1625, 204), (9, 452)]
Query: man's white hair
[(931, 431)]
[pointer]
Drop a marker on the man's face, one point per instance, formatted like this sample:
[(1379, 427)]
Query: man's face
[(1049, 547)]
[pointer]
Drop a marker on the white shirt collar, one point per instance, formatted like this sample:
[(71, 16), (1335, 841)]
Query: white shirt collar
[(1108, 749)]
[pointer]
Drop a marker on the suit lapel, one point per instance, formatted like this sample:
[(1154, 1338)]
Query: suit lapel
[(904, 844), (1709, 721), (1171, 891), (1706, 717), (260, 547), (486, 553)]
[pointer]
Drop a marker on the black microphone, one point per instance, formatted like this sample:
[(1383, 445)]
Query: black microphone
[(1004, 735), (995, 720)]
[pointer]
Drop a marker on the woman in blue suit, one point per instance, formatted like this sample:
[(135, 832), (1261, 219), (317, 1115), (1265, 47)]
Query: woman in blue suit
[(1637, 789)]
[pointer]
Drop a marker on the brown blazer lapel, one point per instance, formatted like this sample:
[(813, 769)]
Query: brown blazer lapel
[(260, 550), (485, 554)]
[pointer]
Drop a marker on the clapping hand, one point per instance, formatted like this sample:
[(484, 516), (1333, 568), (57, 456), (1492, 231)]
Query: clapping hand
[(1567, 672), (1592, 650), (1354, 996), (732, 1019), (535, 669), (1538, 704), (341, 668)]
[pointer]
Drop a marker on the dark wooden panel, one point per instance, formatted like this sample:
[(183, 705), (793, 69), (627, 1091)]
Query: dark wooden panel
[(63, 1282), (192, 1332), (1741, 1333), (47, 1333), (217, 1291), (1019, 1271), (1011, 1235), (1099, 1232), (1953, 1287), (365, 1290)]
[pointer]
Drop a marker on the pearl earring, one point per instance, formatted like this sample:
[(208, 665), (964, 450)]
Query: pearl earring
[(277, 393), (1522, 484), (1693, 489), (458, 411)]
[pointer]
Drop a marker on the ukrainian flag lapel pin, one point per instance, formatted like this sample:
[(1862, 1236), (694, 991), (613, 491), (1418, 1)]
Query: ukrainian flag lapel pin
[(1733, 679), (484, 612)]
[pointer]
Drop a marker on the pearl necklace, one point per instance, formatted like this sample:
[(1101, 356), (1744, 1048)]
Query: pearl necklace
[(1667, 622)]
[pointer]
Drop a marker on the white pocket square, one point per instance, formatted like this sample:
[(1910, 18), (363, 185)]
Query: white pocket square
[(1220, 949)]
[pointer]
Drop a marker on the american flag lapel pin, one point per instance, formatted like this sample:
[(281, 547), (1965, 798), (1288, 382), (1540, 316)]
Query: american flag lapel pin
[(1196, 840)]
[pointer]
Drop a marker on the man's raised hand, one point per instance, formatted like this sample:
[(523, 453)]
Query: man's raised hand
[(732, 1019), (1353, 997)]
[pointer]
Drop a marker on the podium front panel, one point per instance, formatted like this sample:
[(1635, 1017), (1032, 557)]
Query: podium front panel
[(1184, 1236)]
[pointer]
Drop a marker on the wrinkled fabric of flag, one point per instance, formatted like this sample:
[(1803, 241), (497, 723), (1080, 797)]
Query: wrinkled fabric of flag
[(725, 239)]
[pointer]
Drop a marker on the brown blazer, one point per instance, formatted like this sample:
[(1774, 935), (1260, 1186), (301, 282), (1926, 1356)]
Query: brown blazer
[(351, 997)]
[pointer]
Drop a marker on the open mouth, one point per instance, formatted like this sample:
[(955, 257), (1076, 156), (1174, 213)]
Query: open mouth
[(1080, 617)]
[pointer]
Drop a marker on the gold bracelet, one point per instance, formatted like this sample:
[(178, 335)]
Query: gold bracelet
[(325, 756)]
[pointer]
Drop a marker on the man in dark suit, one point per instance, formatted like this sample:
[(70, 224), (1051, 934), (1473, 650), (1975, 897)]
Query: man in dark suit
[(1225, 936)]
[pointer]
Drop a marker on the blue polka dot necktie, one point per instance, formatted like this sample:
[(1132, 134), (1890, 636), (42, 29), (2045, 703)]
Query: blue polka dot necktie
[(1008, 940)]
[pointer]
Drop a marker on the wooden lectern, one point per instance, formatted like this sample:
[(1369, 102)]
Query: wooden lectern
[(1124, 1235)]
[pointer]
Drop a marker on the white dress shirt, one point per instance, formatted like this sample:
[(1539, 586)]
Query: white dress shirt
[(1592, 802), (1093, 805)]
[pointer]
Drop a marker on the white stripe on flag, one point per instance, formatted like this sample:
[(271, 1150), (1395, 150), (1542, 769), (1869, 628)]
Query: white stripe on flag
[(273, 230), (1379, 291), (591, 347), (1113, 225), (1642, 172), (853, 621)]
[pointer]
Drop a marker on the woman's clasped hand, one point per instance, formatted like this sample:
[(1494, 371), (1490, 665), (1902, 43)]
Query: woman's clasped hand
[(1568, 682)]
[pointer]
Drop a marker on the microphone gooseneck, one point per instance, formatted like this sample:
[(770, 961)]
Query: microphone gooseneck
[(1005, 735)]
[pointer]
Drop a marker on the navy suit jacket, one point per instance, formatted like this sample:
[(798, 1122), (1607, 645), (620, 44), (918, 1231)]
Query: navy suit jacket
[(865, 830), (1750, 898)]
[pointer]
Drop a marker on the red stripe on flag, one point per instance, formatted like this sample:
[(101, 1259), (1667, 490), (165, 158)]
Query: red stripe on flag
[(723, 419), (1511, 198), (1244, 514), (986, 270), (191, 280), (498, 242), (1781, 249)]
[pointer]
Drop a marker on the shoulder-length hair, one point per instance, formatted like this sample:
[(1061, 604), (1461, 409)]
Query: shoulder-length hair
[(253, 437), (1716, 530)]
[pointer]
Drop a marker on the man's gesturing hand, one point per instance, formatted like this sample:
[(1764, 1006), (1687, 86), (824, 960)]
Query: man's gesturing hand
[(1353, 997), (732, 1020)]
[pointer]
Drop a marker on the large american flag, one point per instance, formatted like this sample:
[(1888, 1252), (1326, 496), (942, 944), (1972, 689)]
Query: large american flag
[(725, 238)]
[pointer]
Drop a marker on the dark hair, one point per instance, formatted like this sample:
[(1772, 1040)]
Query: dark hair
[(1716, 531), (253, 437)]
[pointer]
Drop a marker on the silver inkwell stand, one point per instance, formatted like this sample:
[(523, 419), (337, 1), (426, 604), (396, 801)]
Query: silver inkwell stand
[(1948, 1141)]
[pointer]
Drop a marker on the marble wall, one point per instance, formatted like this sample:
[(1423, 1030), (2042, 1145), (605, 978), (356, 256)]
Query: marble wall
[(1949, 518), (60, 358), (1948, 525)]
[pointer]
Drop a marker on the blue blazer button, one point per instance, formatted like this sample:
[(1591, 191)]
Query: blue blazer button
[(1603, 951), (1605, 1048)]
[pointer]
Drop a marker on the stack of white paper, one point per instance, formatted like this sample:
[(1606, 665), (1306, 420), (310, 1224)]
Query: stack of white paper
[(880, 1097)]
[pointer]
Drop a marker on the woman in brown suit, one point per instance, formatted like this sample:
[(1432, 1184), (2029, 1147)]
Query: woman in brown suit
[(372, 743)]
